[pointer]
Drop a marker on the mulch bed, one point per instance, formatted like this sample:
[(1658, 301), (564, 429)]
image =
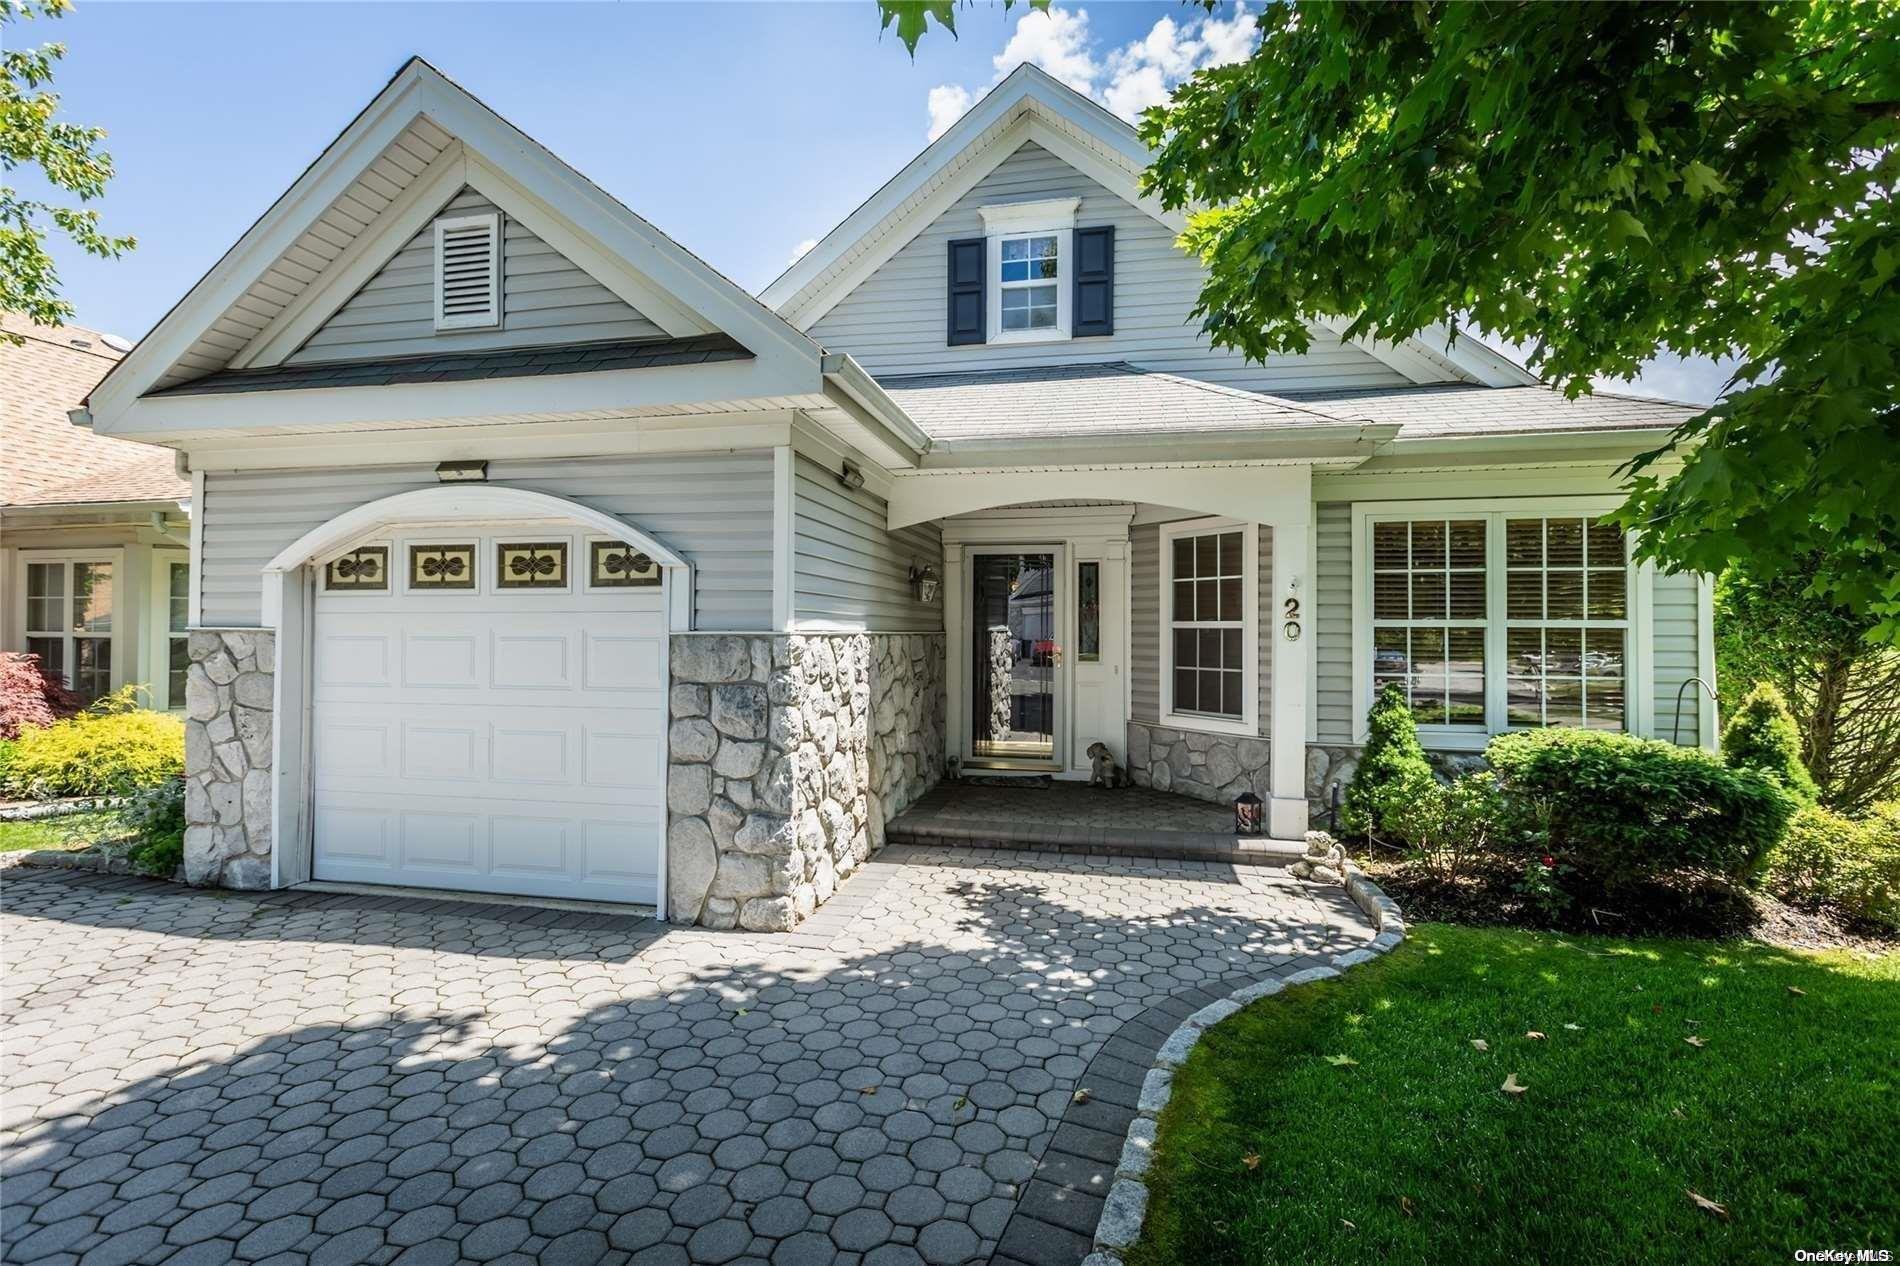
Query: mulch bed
[(1684, 906)]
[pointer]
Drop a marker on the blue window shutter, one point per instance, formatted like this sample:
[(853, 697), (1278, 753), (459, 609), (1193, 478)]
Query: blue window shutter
[(1094, 281), (969, 258)]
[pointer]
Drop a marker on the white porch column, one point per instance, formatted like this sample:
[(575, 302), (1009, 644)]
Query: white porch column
[(1290, 625)]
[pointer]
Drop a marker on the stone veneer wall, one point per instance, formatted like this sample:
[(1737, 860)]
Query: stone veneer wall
[(786, 753), (228, 700), (1214, 767)]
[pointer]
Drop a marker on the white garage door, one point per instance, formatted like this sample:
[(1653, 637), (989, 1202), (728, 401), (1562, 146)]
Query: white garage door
[(486, 738)]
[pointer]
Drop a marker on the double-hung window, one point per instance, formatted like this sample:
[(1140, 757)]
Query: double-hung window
[(1208, 616), (69, 614), (1031, 279), (177, 639), (1495, 619)]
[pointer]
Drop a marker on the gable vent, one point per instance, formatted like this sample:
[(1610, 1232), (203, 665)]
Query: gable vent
[(468, 271)]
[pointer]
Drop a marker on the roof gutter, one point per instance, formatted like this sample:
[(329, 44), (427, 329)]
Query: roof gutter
[(1345, 446), (843, 373)]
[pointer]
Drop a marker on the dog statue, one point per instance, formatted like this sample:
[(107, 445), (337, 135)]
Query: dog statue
[(1103, 771)]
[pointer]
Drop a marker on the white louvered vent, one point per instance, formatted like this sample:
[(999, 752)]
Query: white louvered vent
[(468, 271)]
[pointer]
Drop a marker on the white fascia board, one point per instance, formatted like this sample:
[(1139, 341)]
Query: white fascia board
[(497, 441), (1338, 446), (1551, 445), (334, 171), (360, 261), (169, 417), (1253, 493)]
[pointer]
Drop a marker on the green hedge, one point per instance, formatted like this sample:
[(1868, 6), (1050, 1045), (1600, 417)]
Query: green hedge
[(1620, 809), (110, 749), (1828, 858)]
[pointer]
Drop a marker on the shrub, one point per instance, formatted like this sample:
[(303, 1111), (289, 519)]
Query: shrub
[(112, 748), (157, 815), (1620, 809), (1762, 735), (1446, 826), (1827, 858), (29, 696), (1389, 768)]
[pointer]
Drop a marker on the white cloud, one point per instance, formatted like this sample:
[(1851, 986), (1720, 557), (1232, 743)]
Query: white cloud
[(801, 250), (1056, 40), (1127, 80), (948, 102)]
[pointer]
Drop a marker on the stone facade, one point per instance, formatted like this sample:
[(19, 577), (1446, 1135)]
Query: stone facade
[(1214, 767), (228, 699), (781, 771)]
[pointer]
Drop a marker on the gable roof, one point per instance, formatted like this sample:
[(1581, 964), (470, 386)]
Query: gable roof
[(49, 461), (421, 140), (1031, 105)]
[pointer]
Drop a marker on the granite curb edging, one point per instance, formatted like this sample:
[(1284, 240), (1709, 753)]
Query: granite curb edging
[(1123, 1208)]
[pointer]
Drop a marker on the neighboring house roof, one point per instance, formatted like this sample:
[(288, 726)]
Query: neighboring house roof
[(1032, 105), (574, 358), (1061, 401), (1456, 410), (48, 460)]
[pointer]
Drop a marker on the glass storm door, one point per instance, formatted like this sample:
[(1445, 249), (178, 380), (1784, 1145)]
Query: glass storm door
[(1014, 656)]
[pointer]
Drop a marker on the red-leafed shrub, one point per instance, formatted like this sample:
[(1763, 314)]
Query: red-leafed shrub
[(29, 696)]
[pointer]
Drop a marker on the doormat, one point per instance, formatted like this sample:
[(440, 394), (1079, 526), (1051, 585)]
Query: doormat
[(1019, 782)]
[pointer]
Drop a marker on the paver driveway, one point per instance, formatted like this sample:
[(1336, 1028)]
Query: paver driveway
[(197, 1077)]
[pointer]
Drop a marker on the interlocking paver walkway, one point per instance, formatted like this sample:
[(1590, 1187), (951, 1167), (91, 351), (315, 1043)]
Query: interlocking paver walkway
[(202, 1077)]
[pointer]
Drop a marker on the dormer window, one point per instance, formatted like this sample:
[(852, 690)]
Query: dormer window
[(1029, 280), (468, 271)]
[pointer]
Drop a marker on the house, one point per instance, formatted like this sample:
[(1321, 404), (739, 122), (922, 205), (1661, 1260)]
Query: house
[(94, 531), (536, 557)]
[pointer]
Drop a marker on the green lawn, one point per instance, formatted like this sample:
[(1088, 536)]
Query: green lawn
[(72, 831), (1789, 1116)]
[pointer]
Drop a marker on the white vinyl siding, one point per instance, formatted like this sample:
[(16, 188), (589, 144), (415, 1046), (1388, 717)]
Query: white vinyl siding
[(715, 510), (1144, 646), (893, 322), (1673, 601), (850, 571), (546, 298)]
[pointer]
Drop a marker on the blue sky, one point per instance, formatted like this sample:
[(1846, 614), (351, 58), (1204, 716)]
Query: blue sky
[(743, 129)]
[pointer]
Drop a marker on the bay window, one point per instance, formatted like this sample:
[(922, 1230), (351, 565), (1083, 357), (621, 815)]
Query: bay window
[(1495, 619)]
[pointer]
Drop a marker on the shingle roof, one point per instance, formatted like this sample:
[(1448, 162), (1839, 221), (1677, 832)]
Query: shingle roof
[(1461, 409), (517, 362), (48, 460), (1059, 401)]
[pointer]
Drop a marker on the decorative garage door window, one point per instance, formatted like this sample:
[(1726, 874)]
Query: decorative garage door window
[(441, 566), (617, 565), (362, 570), (532, 565)]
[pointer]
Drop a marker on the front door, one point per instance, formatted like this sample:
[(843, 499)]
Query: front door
[(1015, 656)]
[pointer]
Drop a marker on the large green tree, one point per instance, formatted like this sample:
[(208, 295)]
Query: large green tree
[(64, 157), (1600, 183)]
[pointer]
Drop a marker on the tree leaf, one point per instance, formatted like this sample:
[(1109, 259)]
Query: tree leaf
[(1341, 1061), (1512, 1086), (1251, 1160), (1695, 1041), (1481, 1044), (1535, 1035)]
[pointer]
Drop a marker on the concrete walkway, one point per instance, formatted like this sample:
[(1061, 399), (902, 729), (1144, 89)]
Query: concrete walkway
[(203, 1077)]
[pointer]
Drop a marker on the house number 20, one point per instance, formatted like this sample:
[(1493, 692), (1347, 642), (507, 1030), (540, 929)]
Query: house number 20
[(1291, 625)]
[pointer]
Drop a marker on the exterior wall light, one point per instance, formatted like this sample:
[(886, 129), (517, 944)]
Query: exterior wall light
[(850, 476), (1246, 814), (924, 582)]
